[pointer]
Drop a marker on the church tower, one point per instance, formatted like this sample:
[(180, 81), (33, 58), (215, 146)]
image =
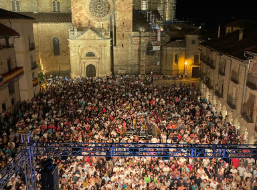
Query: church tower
[(122, 40)]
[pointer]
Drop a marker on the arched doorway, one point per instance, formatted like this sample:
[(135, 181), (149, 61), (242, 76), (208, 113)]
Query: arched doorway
[(91, 71)]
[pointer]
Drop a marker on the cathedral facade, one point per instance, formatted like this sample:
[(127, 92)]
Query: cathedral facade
[(97, 37)]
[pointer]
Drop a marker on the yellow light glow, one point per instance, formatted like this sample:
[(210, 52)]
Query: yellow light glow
[(186, 63)]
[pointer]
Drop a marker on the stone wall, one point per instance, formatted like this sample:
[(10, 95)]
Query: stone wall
[(44, 34), (123, 48)]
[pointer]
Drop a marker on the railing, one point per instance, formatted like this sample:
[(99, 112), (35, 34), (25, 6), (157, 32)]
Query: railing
[(35, 81), (234, 76), (219, 92), (252, 81), (212, 64), (247, 113), (8, 77), (33, 65), (231, 101), (5, 47), (31, 46), (222, 68)]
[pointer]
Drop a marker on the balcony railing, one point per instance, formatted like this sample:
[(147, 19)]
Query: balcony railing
[(234, 76), (5, 47), (222, 68), (212, 64), (11, 76), (31, 46), (33, 65), (35, 81), (231, 101), (219, 92), (252, 81), (247, 113)]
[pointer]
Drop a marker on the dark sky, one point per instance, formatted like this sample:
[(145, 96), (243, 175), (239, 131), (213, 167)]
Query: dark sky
[(215, 12)]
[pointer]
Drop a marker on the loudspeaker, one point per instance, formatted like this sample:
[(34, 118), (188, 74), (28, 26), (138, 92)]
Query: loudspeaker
[(50, 179)]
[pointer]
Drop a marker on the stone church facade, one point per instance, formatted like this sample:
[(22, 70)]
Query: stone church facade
[(97, 37)]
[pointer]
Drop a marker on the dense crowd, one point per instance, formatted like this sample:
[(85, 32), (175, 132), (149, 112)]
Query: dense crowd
[(103, 110)]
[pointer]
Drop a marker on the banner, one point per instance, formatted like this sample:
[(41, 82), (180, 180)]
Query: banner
[(158, 35)]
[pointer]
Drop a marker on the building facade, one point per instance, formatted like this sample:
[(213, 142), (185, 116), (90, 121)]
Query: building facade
[(25, 52), (97, 38), (229, 79), (10, 72)]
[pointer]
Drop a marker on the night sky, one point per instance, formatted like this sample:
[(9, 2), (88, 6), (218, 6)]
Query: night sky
[(215, 13)]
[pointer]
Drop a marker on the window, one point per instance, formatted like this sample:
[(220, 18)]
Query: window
[(56, 6), (90, 54), (56, 46), (4, 107), (9, 65), (176, 58), (193, 41), (13, 101), (11, 88), (149, 49), (196, 58), (15, 5)]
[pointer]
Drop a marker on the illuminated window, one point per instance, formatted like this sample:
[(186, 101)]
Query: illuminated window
[(56, 6), (15, 5), (56, 46)]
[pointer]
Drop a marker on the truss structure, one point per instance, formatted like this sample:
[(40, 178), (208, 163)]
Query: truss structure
[(24, 161)]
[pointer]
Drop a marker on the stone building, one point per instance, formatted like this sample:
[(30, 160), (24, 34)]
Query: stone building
[(25, 52), (10, 72), (229, 78), (97, 37)]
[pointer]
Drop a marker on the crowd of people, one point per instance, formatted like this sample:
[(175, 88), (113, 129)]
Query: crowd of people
[(103, 110)]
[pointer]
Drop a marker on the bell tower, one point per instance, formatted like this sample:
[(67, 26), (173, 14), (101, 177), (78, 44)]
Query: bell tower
[(122, 36)]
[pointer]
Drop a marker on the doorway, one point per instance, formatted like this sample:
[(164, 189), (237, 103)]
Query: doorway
[(91, 71)]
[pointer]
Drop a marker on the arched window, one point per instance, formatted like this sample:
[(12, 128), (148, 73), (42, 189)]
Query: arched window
[(56, 46), (149, 49), (15, 5), (90, 54), (56, 6)]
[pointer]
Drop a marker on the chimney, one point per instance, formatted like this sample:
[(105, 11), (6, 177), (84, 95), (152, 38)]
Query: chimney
[(241, 34), (219, 32)]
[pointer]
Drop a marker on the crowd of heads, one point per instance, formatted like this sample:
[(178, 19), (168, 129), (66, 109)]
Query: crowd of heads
[(103, 110)]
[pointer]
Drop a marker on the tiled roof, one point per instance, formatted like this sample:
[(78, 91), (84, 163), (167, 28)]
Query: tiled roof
[(179, 30), (4, 14), (50, 17), (241, 23), (6, 31), (176, 43), (229, 44)]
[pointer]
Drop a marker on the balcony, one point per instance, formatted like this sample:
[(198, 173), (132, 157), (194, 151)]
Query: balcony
[(231, 101), (35, 82), (222, 68), (6, 46), (219, 92), (33, 65), (234, 77), (212, 64), (247, 113), (31, 46), (13, 75), (252, 81)]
